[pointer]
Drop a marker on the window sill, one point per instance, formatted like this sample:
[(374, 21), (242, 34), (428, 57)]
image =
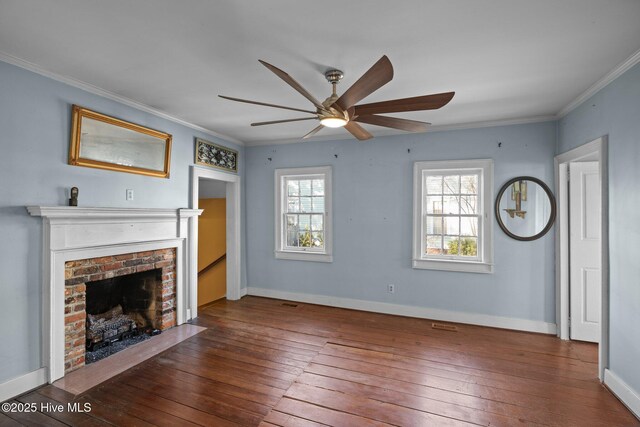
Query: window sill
[(461, 266), (304, 256)]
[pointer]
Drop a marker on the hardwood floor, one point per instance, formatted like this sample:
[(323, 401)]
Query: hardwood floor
[(271, 363)]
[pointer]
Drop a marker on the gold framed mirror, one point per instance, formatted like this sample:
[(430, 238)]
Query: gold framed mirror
[(104, 142)]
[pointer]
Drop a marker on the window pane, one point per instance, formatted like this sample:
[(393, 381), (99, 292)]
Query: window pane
[(469, 246), (292, 230), (304, 222), (434, 185), (434, 225), (451, 184), (305, 204), (292, 238), (451, 245), (304, 239), (469, 184), (317, 239), (317, 222), (451, 205), (469, 205), (434, 204), (292, 188), (452, 226), (318, 187), (434, 245), (469, 226), (305, 187), (293, 204), (317, 204)]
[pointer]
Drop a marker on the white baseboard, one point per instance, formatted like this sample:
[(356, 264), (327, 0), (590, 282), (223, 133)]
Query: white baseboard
[(623, 391), (410, 311), (243, 292), (22, 384)]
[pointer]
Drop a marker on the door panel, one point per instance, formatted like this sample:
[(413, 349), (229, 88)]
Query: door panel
[(584, 247), (591, 288)]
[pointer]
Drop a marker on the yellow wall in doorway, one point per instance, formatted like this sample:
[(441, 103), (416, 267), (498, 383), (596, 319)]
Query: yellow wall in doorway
[(212, 243)]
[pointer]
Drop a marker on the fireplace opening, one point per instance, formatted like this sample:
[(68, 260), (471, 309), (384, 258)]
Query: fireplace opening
[(116, 300), (122, 311)]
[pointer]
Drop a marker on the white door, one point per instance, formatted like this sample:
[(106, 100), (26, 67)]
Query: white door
[(584, 251)]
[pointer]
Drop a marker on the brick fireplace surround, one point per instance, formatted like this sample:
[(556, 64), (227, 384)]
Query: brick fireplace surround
[(79, 272)]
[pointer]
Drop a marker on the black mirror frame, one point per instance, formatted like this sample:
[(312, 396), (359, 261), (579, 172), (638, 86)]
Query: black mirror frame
[(552, 216)]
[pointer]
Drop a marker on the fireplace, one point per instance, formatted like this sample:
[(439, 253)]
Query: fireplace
[(108, 297), (118, 240)]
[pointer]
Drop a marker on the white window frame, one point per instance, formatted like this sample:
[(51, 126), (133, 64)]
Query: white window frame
[(485, 231), (303, 254)]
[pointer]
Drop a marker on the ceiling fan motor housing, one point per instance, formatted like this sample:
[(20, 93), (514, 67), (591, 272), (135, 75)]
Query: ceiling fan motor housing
[(334, 76)]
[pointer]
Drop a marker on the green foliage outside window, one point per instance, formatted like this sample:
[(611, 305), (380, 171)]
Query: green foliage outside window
[(307, 239), (469, 247)]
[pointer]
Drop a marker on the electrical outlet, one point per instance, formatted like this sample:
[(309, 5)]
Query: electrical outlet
[(129, 194), (391, 288)]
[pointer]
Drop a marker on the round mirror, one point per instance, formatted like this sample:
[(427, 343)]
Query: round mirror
[(525, 208)]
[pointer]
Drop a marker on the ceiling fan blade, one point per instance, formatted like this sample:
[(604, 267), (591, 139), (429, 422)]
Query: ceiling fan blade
[(313, 132), (393, 122), (358, 131), (282, 121), (291, 82), (377, 76), (418, 103), (266, 105)]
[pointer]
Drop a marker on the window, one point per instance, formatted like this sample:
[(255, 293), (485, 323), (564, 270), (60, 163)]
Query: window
[(452, 215), (303, 207)]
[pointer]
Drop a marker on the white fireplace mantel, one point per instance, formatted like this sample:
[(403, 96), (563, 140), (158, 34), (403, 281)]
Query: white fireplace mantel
[(71, 233)]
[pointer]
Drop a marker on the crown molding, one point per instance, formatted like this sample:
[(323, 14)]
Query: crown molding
[(617, 71), (438, 128), (10, 59)]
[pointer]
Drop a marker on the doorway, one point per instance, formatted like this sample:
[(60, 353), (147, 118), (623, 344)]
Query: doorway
[(582, 246), (212, 244), (232, 197)]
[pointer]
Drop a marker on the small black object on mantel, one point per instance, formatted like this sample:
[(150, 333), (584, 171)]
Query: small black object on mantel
[(73, 201)]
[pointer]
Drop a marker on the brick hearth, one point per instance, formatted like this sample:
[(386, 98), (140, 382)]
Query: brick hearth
[(80, 272)]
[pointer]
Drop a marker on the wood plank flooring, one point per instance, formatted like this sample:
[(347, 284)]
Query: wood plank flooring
[(265, 363)]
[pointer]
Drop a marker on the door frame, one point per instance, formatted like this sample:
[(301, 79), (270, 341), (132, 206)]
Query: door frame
[(595, 150), (233, 219)]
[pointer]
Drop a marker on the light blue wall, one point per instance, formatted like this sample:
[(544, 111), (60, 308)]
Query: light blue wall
[(373, 223), (615, 111), (35, 118)]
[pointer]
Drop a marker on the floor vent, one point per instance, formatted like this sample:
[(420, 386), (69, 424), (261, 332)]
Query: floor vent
[(288, 304), (444, 327)]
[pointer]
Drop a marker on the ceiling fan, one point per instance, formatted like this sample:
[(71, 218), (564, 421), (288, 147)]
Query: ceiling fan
[(342, 111)]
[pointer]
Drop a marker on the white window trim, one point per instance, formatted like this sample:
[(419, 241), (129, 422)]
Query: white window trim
[(486, 263), (319, 256)]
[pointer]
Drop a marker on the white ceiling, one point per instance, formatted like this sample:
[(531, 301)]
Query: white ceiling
[(505, 59)]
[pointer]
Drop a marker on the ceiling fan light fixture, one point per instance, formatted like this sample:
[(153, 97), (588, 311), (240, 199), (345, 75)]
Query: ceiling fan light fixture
[(333, 122)]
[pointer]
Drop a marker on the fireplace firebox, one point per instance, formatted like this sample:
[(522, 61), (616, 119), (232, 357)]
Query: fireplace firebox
[(121, 307), (111, 298)]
